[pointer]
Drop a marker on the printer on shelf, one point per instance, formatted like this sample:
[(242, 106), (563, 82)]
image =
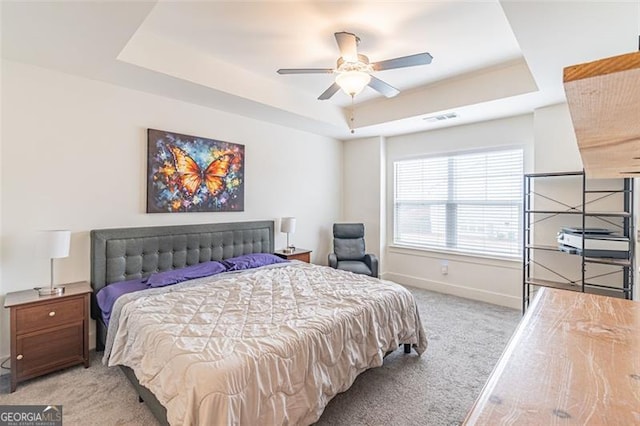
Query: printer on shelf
[(598, 242)]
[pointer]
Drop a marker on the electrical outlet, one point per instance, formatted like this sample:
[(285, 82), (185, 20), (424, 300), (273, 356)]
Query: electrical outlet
[(444, 267)]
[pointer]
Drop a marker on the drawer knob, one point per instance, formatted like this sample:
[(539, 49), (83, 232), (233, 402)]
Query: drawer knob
[(19, 357), (52, 313)]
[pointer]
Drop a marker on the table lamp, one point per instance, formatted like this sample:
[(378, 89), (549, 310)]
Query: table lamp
[(54, 245), (288, 226)]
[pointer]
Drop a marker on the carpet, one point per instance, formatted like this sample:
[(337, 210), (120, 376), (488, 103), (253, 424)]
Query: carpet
[(465, 337)]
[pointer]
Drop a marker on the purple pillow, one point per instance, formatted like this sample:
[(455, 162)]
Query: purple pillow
[(253, 260), (161, 279), (107, 296)]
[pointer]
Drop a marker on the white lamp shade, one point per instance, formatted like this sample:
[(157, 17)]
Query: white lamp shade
[(352, 82), (55, 244), (288, 225)]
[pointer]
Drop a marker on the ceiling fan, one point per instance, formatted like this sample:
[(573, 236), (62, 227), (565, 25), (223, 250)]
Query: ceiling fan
[(354, 70)]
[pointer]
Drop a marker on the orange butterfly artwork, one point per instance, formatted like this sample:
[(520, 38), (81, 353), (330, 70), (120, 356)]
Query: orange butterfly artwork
[(191, 177), (193, 174)]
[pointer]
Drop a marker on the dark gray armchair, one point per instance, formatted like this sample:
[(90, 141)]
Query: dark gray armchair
[(348, 245)]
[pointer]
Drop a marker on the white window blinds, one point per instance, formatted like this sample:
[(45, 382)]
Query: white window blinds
[(470, 202)]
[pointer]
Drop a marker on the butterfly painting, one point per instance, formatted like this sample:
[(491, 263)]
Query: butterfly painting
[(193, 174)]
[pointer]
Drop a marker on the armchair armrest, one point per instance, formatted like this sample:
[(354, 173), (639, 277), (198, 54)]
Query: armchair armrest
[(372, 262), (333, 260)]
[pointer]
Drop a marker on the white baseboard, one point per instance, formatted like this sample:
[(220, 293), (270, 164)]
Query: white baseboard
[(456, 290)]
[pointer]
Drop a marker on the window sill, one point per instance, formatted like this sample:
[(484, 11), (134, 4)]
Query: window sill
[(503, 262)]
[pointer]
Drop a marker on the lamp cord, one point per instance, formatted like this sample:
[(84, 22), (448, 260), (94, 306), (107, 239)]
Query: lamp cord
[(2, 365)]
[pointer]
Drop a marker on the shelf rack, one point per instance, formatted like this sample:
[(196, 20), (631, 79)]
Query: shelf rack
[(533, 216)]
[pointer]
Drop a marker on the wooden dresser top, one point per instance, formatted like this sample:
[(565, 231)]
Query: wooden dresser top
[(31, 296), (574, 359)]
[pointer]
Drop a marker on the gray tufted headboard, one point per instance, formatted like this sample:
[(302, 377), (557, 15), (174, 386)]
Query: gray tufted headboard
[(129, 253)]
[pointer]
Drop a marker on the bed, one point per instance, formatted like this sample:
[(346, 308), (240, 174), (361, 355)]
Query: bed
[(266, 345)]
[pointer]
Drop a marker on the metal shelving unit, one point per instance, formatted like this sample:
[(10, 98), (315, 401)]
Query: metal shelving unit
[(621, 220)]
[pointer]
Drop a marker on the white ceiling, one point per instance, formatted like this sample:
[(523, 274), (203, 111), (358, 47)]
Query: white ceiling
[(491, 59), (463, 37)]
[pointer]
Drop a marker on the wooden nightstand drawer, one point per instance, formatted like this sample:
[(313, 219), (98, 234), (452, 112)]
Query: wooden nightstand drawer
[(303, 255), (45, 350), (51, 314)]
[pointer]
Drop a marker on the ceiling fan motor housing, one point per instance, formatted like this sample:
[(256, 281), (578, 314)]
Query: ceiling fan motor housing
[(362, 65)]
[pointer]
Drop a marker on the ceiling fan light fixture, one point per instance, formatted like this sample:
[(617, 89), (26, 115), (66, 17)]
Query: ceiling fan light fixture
[(353, 82), (354, 71)]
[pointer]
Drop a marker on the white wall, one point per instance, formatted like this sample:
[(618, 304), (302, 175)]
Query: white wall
[(556, 147), (550, 146), (492, 280), (74, 156), (556, 150), (363, 200)]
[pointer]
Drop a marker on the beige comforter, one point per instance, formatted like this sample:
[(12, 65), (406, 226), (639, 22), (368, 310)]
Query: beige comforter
[(268, 346)]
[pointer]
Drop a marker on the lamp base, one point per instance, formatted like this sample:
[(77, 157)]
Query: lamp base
[(50, 291), (289, 250)]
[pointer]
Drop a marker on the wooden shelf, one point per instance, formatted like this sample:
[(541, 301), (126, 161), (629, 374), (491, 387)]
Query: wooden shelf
[(617, 214), (544, 247), (605, 191), (608, 261), (604, 290), (553, 284), (554, 211), (604, 100), (553, 174)]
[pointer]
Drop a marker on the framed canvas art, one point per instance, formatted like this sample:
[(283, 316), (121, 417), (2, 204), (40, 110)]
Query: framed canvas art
[(193, 174)]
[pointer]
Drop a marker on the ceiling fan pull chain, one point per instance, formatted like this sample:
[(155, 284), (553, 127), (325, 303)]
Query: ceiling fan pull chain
[(351, 118)]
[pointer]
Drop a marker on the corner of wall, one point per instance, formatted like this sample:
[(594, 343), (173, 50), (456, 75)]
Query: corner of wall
[(362, 195), (556, 147), (343, 156), (382, 224)]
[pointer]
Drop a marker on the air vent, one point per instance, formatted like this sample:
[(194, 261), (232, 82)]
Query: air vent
[(441, 117)]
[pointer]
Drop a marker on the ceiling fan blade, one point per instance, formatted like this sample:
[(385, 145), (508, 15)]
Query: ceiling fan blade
[(305, 71), (348, 45), (385, 88), (404, 61), (329, 92)]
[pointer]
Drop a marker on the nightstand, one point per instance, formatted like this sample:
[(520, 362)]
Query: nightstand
[(48, 333), (298, 254)]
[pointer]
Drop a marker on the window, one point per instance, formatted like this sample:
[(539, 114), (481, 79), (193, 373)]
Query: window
[(471, 202)]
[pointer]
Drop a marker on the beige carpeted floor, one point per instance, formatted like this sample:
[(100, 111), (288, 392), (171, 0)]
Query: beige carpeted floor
[(466, 339)]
